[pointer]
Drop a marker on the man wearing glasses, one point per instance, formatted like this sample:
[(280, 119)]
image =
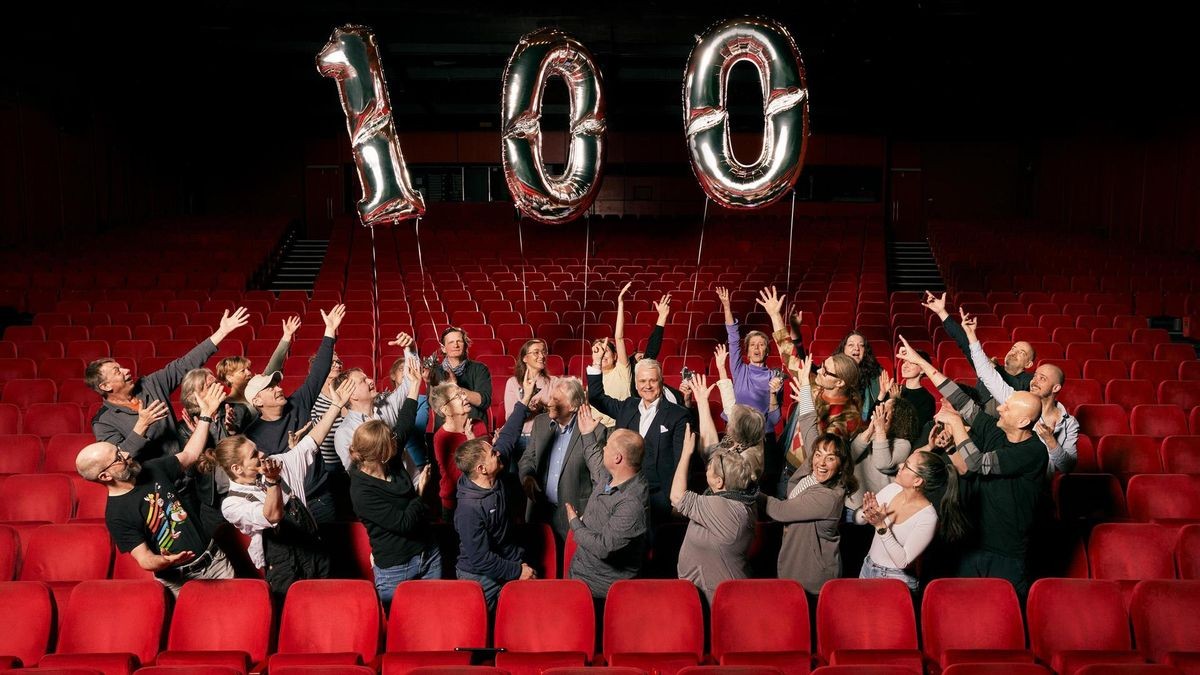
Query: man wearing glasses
[(144, 514)]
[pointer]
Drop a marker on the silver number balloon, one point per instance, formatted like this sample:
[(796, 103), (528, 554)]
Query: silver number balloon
[(768, 46), (539, 56), (351, 57)]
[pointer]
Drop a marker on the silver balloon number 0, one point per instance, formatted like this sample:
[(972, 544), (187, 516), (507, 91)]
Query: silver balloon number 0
[(351, 57), (539, 56), (768, 46)]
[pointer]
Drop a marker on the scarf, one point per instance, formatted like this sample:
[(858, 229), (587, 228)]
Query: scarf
[(458, 372)]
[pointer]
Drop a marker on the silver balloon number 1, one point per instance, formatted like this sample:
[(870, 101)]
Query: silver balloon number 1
[(539, 56), (351, 57), (767, 45)]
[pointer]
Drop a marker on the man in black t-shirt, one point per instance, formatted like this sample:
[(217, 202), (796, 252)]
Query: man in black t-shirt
[(145, 516)]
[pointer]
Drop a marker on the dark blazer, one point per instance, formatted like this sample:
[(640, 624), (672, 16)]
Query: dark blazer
[(664, 440), (575, 482)]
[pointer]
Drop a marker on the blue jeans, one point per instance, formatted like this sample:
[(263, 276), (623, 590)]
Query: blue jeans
[(416, 440), (425, 565), (872, 570), (491, 587)]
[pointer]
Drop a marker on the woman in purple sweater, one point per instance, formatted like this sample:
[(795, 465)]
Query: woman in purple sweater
[(751, 381)]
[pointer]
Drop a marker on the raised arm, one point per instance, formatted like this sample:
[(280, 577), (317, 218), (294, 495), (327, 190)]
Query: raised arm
[(708, 429), (290, 326), (723, 296), (619, 329), (340, 396), (209, 399), (724, 384), (593, 435), (680, 479), (654, 342), (937, 305)]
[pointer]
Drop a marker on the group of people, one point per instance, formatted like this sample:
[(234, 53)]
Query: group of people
[(862, 450)]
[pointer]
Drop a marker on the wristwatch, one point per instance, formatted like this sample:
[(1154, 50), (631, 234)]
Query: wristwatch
[(881, 530), (204, 418)]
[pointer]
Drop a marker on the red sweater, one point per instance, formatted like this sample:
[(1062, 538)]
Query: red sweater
[(445, 443)]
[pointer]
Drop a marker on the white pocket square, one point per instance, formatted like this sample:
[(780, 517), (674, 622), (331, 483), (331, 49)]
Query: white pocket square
[(662, 429)]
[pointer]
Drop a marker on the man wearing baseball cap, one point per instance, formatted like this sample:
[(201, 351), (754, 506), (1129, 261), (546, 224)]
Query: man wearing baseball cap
[(280, 417)]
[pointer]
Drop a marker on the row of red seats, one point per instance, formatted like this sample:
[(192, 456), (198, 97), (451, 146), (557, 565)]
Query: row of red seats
[(1132, 552), (1156, 420), (1089, 498), (1071, 623)]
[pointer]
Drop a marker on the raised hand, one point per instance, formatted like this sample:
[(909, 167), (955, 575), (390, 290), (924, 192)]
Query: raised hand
[(806, 369), (422, 479), (333, 319), (271, 468), (341, 395), (885, 381), (403, 340), (689, 440), (598, 348), (586, 419), (969, 324), (295, 436), (700, 386), (621, 295), (907, 353), (770, 301), (663, 307), (723, 295), (412, 373), (722, 358), (231, 322), (290, 326), (209, 398), (936, 304), (151, 413)]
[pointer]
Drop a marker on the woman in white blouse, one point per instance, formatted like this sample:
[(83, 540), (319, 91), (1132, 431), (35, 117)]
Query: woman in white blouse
[(908, 513)]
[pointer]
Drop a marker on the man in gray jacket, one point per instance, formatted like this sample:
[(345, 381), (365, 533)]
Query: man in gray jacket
[(137, 415), (554, 468), (611, 536)]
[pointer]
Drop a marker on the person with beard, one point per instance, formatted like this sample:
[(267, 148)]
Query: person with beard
[(721, 521), (1016, 362), (145, 516), (1057, 429)]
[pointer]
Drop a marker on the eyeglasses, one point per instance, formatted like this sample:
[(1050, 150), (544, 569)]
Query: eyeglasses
[(118, 459), (827, 371)]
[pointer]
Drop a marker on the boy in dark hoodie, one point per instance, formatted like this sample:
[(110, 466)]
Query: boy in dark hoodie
[(488, 552)]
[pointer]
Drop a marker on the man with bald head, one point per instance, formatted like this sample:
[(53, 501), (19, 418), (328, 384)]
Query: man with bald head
[(144, 513), (611, 534), (1056, 428), (1004, 469)]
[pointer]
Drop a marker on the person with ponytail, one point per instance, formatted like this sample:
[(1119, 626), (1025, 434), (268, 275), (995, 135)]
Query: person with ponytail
[(908, 513)]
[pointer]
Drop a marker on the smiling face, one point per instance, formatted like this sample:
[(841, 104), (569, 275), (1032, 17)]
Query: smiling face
[(456, 403), (856, 348), (909, 370), (559, 406), (1047, 380), (535, 356), (825, 462), (364, 387), (608, 358), (649, 383), (1019, 357), (117, 379)]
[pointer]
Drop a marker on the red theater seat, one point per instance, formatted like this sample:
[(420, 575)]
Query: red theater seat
[(1128, 393), (113, 637), (1105, 370), (204, 632), (1125, 455), (1155, 371), (27, 610), (1187, 553), (48, 419), (62, 449), (1097, 420), (37, 497), (673, 640), (1163, 497), (73, 552), (526, 608), (328, 621), (26, 392), (1129, 552), (1166, 625), (1079, 392), (889, 638), (1181, 393), (1076, 622), (20, 453), (761, 622), (413, 640), (1180, 454), (986, 630), (1158, 421)]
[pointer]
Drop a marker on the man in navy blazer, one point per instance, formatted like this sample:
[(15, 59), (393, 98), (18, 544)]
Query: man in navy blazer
[(660, 423)]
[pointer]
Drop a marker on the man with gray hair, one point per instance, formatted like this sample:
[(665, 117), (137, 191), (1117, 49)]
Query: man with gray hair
[(554, 469), (660, 423)]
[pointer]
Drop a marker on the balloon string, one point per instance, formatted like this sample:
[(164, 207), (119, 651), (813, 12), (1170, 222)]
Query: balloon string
[(791, 231), (375, 348), (696, 274), (521, 244), (424, 290), (587, 249)]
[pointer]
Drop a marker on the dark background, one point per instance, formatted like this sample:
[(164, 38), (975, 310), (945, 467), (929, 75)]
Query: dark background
[(1078, 115)]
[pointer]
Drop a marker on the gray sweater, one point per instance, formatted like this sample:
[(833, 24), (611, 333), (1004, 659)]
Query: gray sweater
[(718, 537)]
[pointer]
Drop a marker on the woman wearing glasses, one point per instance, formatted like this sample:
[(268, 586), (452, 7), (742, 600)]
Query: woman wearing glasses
[(453, 407), (908, 513), (532, 362), (721, 526)]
